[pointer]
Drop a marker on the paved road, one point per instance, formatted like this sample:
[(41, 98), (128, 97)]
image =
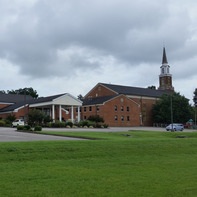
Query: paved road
[(112, 129), (10, 134)]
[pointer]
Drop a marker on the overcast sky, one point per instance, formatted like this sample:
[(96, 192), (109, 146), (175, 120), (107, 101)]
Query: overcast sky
[(68, 46)]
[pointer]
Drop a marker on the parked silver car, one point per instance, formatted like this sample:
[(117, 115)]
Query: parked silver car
[(175, 127)]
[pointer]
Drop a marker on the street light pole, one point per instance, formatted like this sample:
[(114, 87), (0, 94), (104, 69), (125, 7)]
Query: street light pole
[(171, 112)]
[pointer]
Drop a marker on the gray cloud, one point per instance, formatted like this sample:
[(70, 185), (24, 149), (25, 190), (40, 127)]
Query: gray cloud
[(58, 38)]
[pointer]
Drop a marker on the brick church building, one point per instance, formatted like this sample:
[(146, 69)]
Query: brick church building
[(126, 106)]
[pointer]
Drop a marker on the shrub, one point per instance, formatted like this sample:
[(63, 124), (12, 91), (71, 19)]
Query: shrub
[(2, 123), (96, 118), (58, 124), (20, 128), (105, 125), (37, 128), (97, 125), (10, 118), (70, 124), (27, 128), (83, 123)]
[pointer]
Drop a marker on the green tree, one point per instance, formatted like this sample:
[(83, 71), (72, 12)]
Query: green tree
[(152, 87), (35, 117), (182, 111), (195, 104), (80, 97), (24, 91), (195, 98)]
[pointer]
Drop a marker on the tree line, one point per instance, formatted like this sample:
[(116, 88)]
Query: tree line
[(22, 91)]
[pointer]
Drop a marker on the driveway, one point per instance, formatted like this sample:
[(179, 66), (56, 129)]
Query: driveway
[(11, 135)]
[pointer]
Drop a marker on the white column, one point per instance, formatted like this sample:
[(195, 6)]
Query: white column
[(78, 117), (60, 113), (53, 113), (72, 114)]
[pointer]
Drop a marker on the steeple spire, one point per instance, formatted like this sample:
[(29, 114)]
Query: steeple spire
[(164, 59), (165, 78)]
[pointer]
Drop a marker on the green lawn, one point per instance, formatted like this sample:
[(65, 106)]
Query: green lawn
[(124, 164)]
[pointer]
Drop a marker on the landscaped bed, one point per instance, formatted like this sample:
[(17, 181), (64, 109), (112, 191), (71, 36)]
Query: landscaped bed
[(131, 163)]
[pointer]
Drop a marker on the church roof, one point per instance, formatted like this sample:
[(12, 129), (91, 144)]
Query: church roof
[(13, 98), (123, 90), (97, 100), (135, 91), (20, 103)]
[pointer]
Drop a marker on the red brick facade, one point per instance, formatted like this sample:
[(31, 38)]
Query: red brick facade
[(120, 111)]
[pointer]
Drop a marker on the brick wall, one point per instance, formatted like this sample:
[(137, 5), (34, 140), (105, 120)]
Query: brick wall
[(99, 91), (118, 112), (123, 111)]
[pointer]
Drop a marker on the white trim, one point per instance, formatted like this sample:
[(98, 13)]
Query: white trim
[(16, 110), (4, 103), (67, 112), (72, 97), (78, 115), (60, 113), (41, 104), (143, 97), (53, 112), (72, 114)]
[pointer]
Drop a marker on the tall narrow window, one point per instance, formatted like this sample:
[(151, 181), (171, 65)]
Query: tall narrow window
[(128, 108), (128, 118), (163, 70), (115, 118), (122, 108), (84, 109), (122, 118), (115, 108), (90, 108), (168, 69)]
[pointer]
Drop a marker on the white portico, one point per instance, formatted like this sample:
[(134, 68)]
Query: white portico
[(59, 106)]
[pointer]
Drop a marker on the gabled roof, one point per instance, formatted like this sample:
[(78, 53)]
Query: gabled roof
[(13, 107), (13, 98), (134, 91), (45, 99), (97, 100), (40, 100)]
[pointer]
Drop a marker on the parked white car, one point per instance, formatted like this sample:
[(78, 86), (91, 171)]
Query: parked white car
[(175, 127), (18, 122)]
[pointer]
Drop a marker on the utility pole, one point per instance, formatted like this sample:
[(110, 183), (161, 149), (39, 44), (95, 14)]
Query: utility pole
[(171, 112), (195, 103)]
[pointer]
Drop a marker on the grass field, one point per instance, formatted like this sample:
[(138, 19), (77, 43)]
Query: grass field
[(135, 163)]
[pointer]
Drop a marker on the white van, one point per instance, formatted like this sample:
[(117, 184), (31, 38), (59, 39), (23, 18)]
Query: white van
[(18, 122), (175, 127)]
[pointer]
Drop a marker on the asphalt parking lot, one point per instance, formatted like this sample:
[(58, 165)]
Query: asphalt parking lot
[(11, 135)]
